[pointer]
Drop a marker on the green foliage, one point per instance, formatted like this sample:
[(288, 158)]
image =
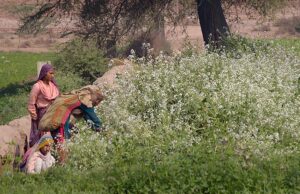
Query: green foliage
[(82, 58), (133, 168), (236, 46), (292, 45), (68, 81)]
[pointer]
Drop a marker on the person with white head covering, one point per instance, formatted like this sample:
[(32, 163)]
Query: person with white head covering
[(38, 158)]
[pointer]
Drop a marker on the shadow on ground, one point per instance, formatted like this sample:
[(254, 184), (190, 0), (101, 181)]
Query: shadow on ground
[(16, 88)]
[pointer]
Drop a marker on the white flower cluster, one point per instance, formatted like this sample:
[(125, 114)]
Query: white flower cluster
[(253, 102)]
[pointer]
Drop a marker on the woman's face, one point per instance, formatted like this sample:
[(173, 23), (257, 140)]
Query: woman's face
[(49, 76), (44, 150), (96, 102)]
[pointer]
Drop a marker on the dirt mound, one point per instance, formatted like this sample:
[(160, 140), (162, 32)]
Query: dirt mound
[(108, 79), (14, 140)]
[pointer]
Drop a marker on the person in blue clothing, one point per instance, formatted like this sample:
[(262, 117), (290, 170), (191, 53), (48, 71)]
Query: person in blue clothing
[(88, 113), (58, 119), (81, 110)]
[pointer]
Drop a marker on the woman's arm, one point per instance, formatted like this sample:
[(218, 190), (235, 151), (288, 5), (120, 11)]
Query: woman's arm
[(32, 164), (31, 107), (38, 165)]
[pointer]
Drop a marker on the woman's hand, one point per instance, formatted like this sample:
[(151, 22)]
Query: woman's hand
[(33, 117), (100, 129)]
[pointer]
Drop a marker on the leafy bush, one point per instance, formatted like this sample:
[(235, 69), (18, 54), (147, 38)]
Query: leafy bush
[(82, 58), (293, 45), (236, 45), (68, 81)]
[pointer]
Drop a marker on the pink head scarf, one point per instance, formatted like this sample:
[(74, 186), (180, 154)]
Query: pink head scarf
[(44, 70)]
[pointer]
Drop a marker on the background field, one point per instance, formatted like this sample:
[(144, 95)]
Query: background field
[(18, 67)]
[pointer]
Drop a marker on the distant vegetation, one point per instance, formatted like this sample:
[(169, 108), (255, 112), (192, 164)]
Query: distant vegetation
[(83, 58)]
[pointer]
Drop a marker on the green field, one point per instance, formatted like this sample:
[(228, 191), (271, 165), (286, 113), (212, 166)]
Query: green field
[(20, 67)]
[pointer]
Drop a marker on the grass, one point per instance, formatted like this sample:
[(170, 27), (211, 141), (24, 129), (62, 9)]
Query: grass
[(293, 44), (186, 170), (13, 102), (20, 67)]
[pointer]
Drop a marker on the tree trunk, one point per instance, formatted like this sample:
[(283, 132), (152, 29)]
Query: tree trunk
[(111, 48), (158, 38), (212, 21)]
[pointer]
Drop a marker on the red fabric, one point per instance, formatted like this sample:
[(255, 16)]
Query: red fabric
[(64, 119)]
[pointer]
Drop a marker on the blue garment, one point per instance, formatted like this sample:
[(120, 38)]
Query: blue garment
[(67, 128), (89, 115)]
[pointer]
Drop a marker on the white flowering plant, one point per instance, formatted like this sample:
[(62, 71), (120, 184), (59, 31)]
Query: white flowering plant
[(250, 104)]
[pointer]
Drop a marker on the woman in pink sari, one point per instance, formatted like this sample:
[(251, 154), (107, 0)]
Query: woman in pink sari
[(42, 94)]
